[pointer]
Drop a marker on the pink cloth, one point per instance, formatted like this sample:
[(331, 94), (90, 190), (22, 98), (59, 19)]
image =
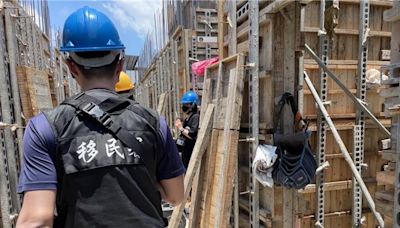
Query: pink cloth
[(198, 68)]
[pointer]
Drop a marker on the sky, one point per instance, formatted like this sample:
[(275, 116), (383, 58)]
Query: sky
[(133, 18)]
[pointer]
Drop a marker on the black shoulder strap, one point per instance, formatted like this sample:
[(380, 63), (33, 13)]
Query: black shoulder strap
[(288, 98), (91, 107)]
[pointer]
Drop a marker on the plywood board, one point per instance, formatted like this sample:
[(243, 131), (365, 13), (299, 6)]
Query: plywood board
[(35, 91), (195, 162), (222, 81), (227, 84)]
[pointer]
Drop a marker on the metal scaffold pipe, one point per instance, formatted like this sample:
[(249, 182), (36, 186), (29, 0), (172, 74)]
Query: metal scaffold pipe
[(344, 150), (358, 103), (12, 50)]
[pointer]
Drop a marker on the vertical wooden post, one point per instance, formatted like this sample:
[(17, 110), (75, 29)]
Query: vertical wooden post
[(221, 28)]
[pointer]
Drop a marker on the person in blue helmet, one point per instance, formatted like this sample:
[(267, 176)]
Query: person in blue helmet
[(189, 127), (98, 159)]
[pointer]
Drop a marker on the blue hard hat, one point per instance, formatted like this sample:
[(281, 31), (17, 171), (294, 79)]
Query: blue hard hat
[(190, 97), (87, 30)]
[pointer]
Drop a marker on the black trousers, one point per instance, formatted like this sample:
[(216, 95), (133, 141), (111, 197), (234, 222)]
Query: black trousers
[(186, 154)]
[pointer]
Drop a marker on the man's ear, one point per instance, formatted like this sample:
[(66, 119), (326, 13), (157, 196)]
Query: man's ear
[(120, 66), (73, 68)]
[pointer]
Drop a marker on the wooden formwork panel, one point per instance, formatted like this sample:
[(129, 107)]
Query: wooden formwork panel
[(342, 220), (223, 88), (227, 74), (344, 45), (343, 60), (34, 91), (183, 39), (217, 154)]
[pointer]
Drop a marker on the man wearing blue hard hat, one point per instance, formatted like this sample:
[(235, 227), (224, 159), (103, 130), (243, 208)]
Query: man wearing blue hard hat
[(189, 127), (98, 159)]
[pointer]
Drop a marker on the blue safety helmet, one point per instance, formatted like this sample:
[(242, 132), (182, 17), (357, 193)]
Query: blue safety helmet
[(88, 30), (190, 97)]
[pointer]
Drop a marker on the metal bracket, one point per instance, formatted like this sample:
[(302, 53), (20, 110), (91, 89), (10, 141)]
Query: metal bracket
[(248, 139), (322, 167)]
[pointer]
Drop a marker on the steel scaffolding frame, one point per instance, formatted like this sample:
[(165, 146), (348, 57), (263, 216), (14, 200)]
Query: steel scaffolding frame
[(253, 60), (359, 128), (321, 123)]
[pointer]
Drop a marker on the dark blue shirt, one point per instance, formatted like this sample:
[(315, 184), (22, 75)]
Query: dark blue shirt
[(38, 170)]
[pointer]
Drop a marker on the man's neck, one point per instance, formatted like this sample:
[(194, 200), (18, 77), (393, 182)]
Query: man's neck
[(98, 85)]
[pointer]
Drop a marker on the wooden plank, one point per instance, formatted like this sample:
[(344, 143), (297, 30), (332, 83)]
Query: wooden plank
[(209, 174), (341, 115), (35, 91), (230, 88), (385, 195), (392, 14), (275, 6), (351, 32), (335, 185), (305, 2), (389, 155), (232, 40), (243, 47), (195, 202), (390, 92), (217, 191), (194, 164), (347, 62), (384, 207), (226, 166), (223, 181), (290, 80), (161, 104), (24, 93), (265, 214), (387, 3), (385, 177)]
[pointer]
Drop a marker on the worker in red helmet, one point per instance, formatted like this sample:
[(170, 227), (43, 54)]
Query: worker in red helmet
[(98, 159)]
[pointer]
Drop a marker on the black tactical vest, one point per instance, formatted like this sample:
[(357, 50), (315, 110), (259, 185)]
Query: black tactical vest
[(101, 181)]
